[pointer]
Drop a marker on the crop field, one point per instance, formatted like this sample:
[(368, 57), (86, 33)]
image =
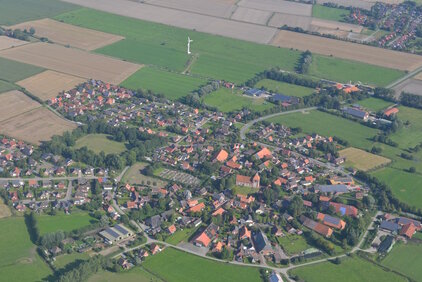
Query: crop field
[(49, 84), (287, 7), (100, 143), (328, 13), (17, 11), (293, 244), (362, 160), (19, 260), (413, 86), (226, 101), (407, 187), (329, 125), (72, 61), (134, 176), (13, 71), (172, 85), (332, 27), (64, 222), (355, 269), (35, 126), (8, 42), (278, 20), (285, 88), (136, 274), (6, 86), (374, 104), (406, 259), (347, 50), (173, 266), (14, 103), (67, 34), (251, 15)]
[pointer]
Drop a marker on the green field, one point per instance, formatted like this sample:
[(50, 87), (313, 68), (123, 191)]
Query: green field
[(173, 266), (134, 176), (13, 71), (63, 260), (293, 244), (346, 71), (374, 104), (350, 270), (243, 190), (6, 86), (328, 13), (407, 187), (285, 88), (406, 259), (19, 260), (17, 11), (61, 221), (411, 135), (172, 85), (180, 235), (136, 274), (100, 142), (226, 101), (329, 125)]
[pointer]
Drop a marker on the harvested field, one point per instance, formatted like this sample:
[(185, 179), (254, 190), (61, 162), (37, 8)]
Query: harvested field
[(71, 35), (251, 15), (72, 61), (7, 42), (348, 50), (14, 103), (326, 24), (191, 21), (279, 19), (413, 86), (49, 84), (362, 160), (418, 76), (279, 6), (35, 126)]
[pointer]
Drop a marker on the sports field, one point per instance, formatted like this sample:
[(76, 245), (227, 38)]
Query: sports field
[(285, 88), (293, 244), (361, 159), (170, 84), (52, 223), (328, 13), (13, 71), (407, 187), (19, 260), (351, 269), (134, 176), (406, 259), (374, 104), (100, 142), (173, 266), (329, 125), (17, 11), (226, 101), (136, 274)]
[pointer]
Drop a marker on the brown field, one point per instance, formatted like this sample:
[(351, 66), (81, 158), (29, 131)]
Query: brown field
[(413, 86), (7, 42), (278, 6), (251, 15), (49, 84), (326, 24), (35, 126), (279, 19), (72, 61), (362, 160), (347, 50), (14, 103), (67, 34), (418, 76)]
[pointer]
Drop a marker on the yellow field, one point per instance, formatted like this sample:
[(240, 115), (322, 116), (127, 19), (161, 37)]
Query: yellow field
[(7, 42), (362, 160), (14, 103)]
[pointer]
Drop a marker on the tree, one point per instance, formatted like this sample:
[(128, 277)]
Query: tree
[(296, 206)]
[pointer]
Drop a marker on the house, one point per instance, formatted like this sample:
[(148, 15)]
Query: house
[(357, 113), (155, 248), (334, 189), (244, 233), (275, 277), (408, 230), (389, 226), (198, 208), (247, 181), (316, 226), (391, 111), (221, 156), (345, 209), (263, 153), (404, 220), (386, 245), (219, 211), (261, 243), (171, 229), (115, 233), (331, 221), (206, 236)]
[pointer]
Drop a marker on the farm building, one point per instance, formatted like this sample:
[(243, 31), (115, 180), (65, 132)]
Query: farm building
[(335, 189), (115, 233), (357, 113), (284, 99), (254, 92)]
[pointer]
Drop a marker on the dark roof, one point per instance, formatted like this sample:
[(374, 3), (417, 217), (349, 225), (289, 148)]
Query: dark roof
[(153, 221), (386, 244), (389, 225), (405, 220), (331, 219), (284, 98), (355, 112), (261, 242), (339, 188)]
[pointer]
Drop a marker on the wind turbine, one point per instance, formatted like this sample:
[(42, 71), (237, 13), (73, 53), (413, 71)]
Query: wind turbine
[(189, 41)]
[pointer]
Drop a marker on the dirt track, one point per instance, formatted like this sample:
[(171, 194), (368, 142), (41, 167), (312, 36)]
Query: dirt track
[(347, 50)]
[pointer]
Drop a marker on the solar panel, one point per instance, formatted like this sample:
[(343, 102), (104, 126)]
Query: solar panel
[(112, 233), (121, 229)]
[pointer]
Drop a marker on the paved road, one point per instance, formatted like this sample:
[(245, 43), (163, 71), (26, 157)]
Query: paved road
[(407, 76)]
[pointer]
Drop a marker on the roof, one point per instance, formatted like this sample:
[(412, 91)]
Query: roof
[(389, 225), (219, 211), (243, 178), (339, 188), (386, 244), (391, 111), (345, 209), (408, 230), (264, 152), (261, 242), (356, 112), (199, 207), (405, 220), (222, 156), (203, 239)]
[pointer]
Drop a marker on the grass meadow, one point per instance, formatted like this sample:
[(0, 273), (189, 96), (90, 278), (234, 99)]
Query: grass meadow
[(6, 86), (406, 259), (134, 176), (181, 236), (171, 84), (100, 142), (61, 221), (293, 244), (175, 266), (136, 274), (13, 71), (374, 104), (285, 88), (328, 13)]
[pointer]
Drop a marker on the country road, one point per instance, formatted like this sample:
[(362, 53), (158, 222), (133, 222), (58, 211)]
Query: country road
[(407, 76)]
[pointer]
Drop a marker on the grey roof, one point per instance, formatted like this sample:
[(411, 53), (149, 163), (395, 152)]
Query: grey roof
[(261, 242), (386, 244), (389, 225), (355, 112), (405, 220), (331, 219), (339, 188)]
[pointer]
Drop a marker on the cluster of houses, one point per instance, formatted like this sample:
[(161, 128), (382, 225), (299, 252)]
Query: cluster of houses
[(13, 151)]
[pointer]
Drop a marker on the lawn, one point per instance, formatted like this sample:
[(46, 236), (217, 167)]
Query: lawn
[(63, 260), (346, 71), (180, 235), (17, 11), (406, 259), (100, 142), (19, 260), (226, 101), (328, 13), (374, 104), (173, 266), (61, 221), (172, 85), (6, 86), (13, 71), (329, 125), (293, 244), (136, 274), (350, 270), (285, 88), (242, 190), (134, 176), (407, 187)]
